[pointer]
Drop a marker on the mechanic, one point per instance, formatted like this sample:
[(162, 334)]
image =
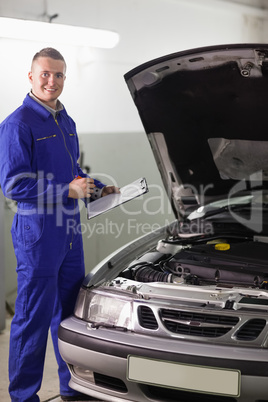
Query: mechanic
[(39, 152)]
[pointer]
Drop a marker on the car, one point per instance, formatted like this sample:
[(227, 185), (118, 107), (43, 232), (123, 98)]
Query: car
[(181, 313)]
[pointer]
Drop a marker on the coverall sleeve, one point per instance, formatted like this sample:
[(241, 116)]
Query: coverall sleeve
[(98, 183), (18, 174)]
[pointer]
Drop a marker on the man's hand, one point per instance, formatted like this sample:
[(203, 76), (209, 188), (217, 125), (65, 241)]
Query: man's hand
[(109, 190), (81, 188)]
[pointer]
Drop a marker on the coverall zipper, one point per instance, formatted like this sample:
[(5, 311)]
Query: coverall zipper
[(72, 162)]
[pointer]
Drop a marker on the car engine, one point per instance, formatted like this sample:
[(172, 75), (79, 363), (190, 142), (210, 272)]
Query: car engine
[(224, 262)]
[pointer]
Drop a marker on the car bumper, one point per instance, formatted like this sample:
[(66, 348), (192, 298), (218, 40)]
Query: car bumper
[(99, 362)]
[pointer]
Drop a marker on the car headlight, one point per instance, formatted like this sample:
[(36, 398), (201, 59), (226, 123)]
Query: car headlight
[(104, 308)]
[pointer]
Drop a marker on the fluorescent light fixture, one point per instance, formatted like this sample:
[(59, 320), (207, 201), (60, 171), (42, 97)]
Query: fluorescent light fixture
[(39, 31)]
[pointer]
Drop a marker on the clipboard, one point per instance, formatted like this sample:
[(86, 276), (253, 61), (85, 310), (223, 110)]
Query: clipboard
[(110, 201)]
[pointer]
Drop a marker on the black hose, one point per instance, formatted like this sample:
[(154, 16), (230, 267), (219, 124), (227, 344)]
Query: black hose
[(148, 274)]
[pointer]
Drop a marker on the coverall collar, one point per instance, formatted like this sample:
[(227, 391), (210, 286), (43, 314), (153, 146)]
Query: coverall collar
[(54, 112)]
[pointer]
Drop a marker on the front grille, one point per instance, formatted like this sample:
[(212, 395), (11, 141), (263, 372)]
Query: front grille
[(193, 331), (251, 330), (147, 318), (197, 324)]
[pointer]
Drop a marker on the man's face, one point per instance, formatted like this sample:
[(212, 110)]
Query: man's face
[(47, 79)]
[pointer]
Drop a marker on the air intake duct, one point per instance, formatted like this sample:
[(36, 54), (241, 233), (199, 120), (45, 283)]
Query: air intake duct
[(148, 274)]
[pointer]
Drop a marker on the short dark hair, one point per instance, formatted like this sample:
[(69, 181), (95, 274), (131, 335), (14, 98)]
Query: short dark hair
[(49, 52)]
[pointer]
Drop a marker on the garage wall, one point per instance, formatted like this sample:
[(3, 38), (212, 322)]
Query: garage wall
[(111, 135)]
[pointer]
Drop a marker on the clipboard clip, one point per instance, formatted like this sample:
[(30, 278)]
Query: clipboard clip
[(143, 184)]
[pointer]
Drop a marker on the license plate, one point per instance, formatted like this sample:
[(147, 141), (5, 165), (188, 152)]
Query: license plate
[(204, 379)]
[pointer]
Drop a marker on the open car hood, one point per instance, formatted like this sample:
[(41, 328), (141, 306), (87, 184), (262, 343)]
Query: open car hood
[(204, 111)]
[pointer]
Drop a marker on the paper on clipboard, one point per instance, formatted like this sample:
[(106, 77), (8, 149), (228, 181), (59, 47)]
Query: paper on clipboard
[(110, 201)]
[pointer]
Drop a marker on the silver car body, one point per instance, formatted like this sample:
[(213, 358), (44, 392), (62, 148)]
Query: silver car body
[(181, 313)]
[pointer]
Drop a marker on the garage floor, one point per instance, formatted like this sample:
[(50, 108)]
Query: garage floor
[(50, 388)]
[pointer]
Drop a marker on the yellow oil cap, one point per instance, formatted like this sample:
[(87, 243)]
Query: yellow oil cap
[(222, 246)]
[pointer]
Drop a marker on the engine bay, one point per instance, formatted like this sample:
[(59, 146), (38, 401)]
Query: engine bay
[(226, 262)]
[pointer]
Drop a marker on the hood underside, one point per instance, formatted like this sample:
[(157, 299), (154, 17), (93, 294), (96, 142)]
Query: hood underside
[(204, 113)]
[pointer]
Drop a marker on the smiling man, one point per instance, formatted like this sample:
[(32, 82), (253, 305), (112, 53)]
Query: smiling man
[(47, 77), (39, 169)]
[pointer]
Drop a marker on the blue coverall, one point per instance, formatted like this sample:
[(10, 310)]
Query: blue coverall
[(38, 159)]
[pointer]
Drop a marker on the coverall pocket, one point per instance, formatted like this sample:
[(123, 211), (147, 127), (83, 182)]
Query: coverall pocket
[(30, 229)]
